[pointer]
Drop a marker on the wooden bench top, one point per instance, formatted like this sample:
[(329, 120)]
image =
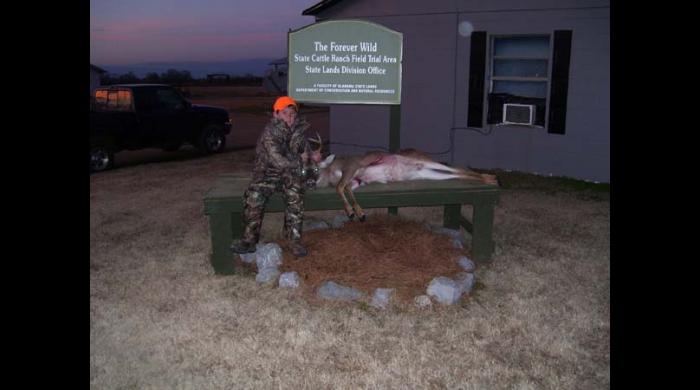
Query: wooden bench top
[(227, 194)]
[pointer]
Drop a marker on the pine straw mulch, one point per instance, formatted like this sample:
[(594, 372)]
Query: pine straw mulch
[(382, 252)]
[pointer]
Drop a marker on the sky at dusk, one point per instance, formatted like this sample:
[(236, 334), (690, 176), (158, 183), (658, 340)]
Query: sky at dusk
[(140, 31)]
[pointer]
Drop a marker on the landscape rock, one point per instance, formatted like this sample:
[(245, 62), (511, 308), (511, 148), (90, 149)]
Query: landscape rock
[(466, 264), (289, 280), (465, 281), (444, 290), (423, 301), (314, 224), (458, 238), (339, 221), (381, 297), (250, 258), (337, 292), (268, 255), (267, 276)]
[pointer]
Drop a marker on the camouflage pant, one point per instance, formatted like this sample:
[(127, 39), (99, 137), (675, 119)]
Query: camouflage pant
[(256, 197)]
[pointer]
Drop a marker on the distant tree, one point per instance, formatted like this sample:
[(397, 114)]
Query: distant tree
[(152, 78), (186, 76), (247, 80), (108, 79), (128, 78), (176, 77)]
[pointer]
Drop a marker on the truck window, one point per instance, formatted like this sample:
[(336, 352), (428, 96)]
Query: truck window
[(112, 100), (168, 99), (124, 101), (101, 98), (117, 100)]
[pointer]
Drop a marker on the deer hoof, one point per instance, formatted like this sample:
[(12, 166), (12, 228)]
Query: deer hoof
[(363, 218), (351, 217)]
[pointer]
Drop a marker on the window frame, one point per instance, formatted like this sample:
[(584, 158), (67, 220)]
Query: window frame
[(491, 78)]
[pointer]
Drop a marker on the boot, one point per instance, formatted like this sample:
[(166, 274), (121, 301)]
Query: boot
[(242, 247), (298, 249)]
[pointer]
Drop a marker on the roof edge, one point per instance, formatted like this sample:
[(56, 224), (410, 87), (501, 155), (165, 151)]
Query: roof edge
[(97, 68), (319, 7)]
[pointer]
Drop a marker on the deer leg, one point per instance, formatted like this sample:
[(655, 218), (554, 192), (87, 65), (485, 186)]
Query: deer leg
[(482, 177), (473, 175), (457, 173), (356, 206), (490, 179), (340, 189)]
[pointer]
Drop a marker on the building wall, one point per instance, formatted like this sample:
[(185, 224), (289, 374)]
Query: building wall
[(435, 86)]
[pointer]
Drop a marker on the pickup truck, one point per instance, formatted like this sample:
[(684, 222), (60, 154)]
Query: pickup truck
[(138, 116)]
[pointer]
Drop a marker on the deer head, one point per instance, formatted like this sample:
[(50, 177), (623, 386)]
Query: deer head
[(316, 154), (311, 162)]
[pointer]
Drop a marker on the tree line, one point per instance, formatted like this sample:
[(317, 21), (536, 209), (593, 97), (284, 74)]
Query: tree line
[(180, 78)]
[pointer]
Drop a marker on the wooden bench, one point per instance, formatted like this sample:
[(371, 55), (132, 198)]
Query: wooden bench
[(223, 203)]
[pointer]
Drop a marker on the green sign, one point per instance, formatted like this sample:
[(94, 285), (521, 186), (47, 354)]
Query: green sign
[(346, 62)]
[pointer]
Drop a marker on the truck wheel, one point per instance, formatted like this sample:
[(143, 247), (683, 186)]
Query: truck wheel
[(212, 139), (101, 159)]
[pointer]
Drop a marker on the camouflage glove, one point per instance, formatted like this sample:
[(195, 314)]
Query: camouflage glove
[(309, 175), (295, 169)]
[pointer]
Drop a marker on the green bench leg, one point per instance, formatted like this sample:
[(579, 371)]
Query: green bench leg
[(450, 216), (223, 227), (393, 210), (481, 227), (482, 236)]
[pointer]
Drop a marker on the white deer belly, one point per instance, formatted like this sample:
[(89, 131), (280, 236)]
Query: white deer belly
[(372, 174), (400, 168), (390, 169)]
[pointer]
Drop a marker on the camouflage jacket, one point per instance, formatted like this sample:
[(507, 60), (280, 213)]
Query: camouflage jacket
[(279, 149)]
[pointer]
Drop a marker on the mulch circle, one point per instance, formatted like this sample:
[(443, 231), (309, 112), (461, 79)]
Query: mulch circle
[(382, 252)]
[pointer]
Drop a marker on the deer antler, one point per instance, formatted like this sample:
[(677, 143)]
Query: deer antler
[(317, 141)]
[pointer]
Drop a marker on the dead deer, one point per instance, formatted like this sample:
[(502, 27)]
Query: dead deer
[(348, 173)]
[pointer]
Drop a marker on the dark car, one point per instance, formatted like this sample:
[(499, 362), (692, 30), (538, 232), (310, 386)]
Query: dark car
[(138, 116)]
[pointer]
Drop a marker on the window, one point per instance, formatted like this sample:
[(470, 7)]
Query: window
[(101, 97), (169, 99), (519, 69), (113, 100), (124, 100)]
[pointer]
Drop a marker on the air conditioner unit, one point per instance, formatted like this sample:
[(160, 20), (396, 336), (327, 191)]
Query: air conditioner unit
[(518, 114)]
